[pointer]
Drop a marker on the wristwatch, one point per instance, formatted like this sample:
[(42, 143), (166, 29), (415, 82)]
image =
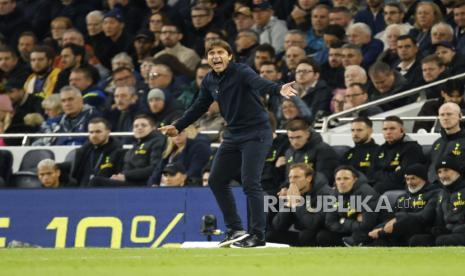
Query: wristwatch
[(341, 221)]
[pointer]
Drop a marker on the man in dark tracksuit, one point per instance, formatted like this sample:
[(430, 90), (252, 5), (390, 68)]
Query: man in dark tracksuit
[(348, 224), (307, 146), (414, 211), (306, 218), (365, 151), (101, 156), (247, 138), (452, 140), (141, 160), (449, 227), (395, 155)]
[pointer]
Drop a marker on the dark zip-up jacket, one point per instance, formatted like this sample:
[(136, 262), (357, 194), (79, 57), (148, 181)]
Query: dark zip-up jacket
[(349, 223), (400, 154), (103, 160), (363, 157), (450, 212), (237, 91), (143, 158), (446, 145), (317, 153)]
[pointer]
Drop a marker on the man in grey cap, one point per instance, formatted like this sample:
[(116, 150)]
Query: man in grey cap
[(449, 227), (164, 109)]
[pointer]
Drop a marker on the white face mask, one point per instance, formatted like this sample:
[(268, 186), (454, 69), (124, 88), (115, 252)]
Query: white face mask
[(448, 182), (414, 190)]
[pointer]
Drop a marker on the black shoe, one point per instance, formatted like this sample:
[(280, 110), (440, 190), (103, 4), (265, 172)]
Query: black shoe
[(233, 236), (249, 242), (349, 242)]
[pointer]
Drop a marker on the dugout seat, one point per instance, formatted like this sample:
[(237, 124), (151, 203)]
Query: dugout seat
[(33, 157), (25, 180), (341, 150)]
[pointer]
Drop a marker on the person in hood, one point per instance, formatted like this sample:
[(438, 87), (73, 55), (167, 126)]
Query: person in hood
[(164, 109)]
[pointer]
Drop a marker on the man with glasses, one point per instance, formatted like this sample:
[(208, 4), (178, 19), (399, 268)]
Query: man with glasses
[(356, 94), (170, 38)]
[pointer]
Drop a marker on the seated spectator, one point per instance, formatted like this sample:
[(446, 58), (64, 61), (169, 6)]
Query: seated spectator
[(11, 67), (270, 29), (53, 112), (361, 35), (312, 186), (332, 70), (453, 60), (189, 93), (312, 90), (26, 42), (363, 155), (124, 110), (44, 77), (246, 42), (57, 27), (409, 65), (263, 53), (389, 56), (156, 22), (349, 226), (81, 78), (340, 15), (75, 118), (193, 153), (394, 14), (386, 82), (292, 57), (426, 15), (174, 175), (100, 156), (319, 22), (442, 32), (413, 212), (433, 69), (164, 109), (141, 159), (395, 155), (171, 38), (351, 55), (292, 108), (452, 91), (449, 228), (332, 35), (49, 173), (372, 16), (307, 146), (452, 139), (211, 120), (143, 43), (23, 105), (270, 71), (356, 95), (6, 112)]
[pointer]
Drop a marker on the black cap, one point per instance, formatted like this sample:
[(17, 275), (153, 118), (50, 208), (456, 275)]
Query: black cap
[(450, 162), (262, 6), (418, 170), (116, 14), (13, 84), (446, 44), (174, 168), (145, 34)]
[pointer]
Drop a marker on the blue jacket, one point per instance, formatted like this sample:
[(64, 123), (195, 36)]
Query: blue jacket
[(237, 91), (376, 23)]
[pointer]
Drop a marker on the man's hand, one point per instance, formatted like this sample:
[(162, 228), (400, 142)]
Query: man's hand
[(374, 234), (298, 15), (293, 196), (119, 177), (288, 91), (359, 217), (280, 162), (169, 130), (389, 226)]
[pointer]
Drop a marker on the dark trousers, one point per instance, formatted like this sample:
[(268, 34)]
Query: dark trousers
[(245, 152), (455, 239)]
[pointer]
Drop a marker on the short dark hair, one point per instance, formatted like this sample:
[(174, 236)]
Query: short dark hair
[(276, 67), (98, 120), (265, 47), (7, 49), (146, 117), (28, 33), (364, 120), (297, 124), (453, 85), (394, 119), (76, 49), (359, 85), (395, 5), (49, 53), (311, 62), (85, 71), (407, 36), (379, 68), (354, 172), (121, 69), (218, 43)]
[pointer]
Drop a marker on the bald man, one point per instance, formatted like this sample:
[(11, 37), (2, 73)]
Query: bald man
[(452, 140)]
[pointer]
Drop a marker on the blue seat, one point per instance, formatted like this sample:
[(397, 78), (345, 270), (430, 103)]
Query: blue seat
[(33, 157)]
